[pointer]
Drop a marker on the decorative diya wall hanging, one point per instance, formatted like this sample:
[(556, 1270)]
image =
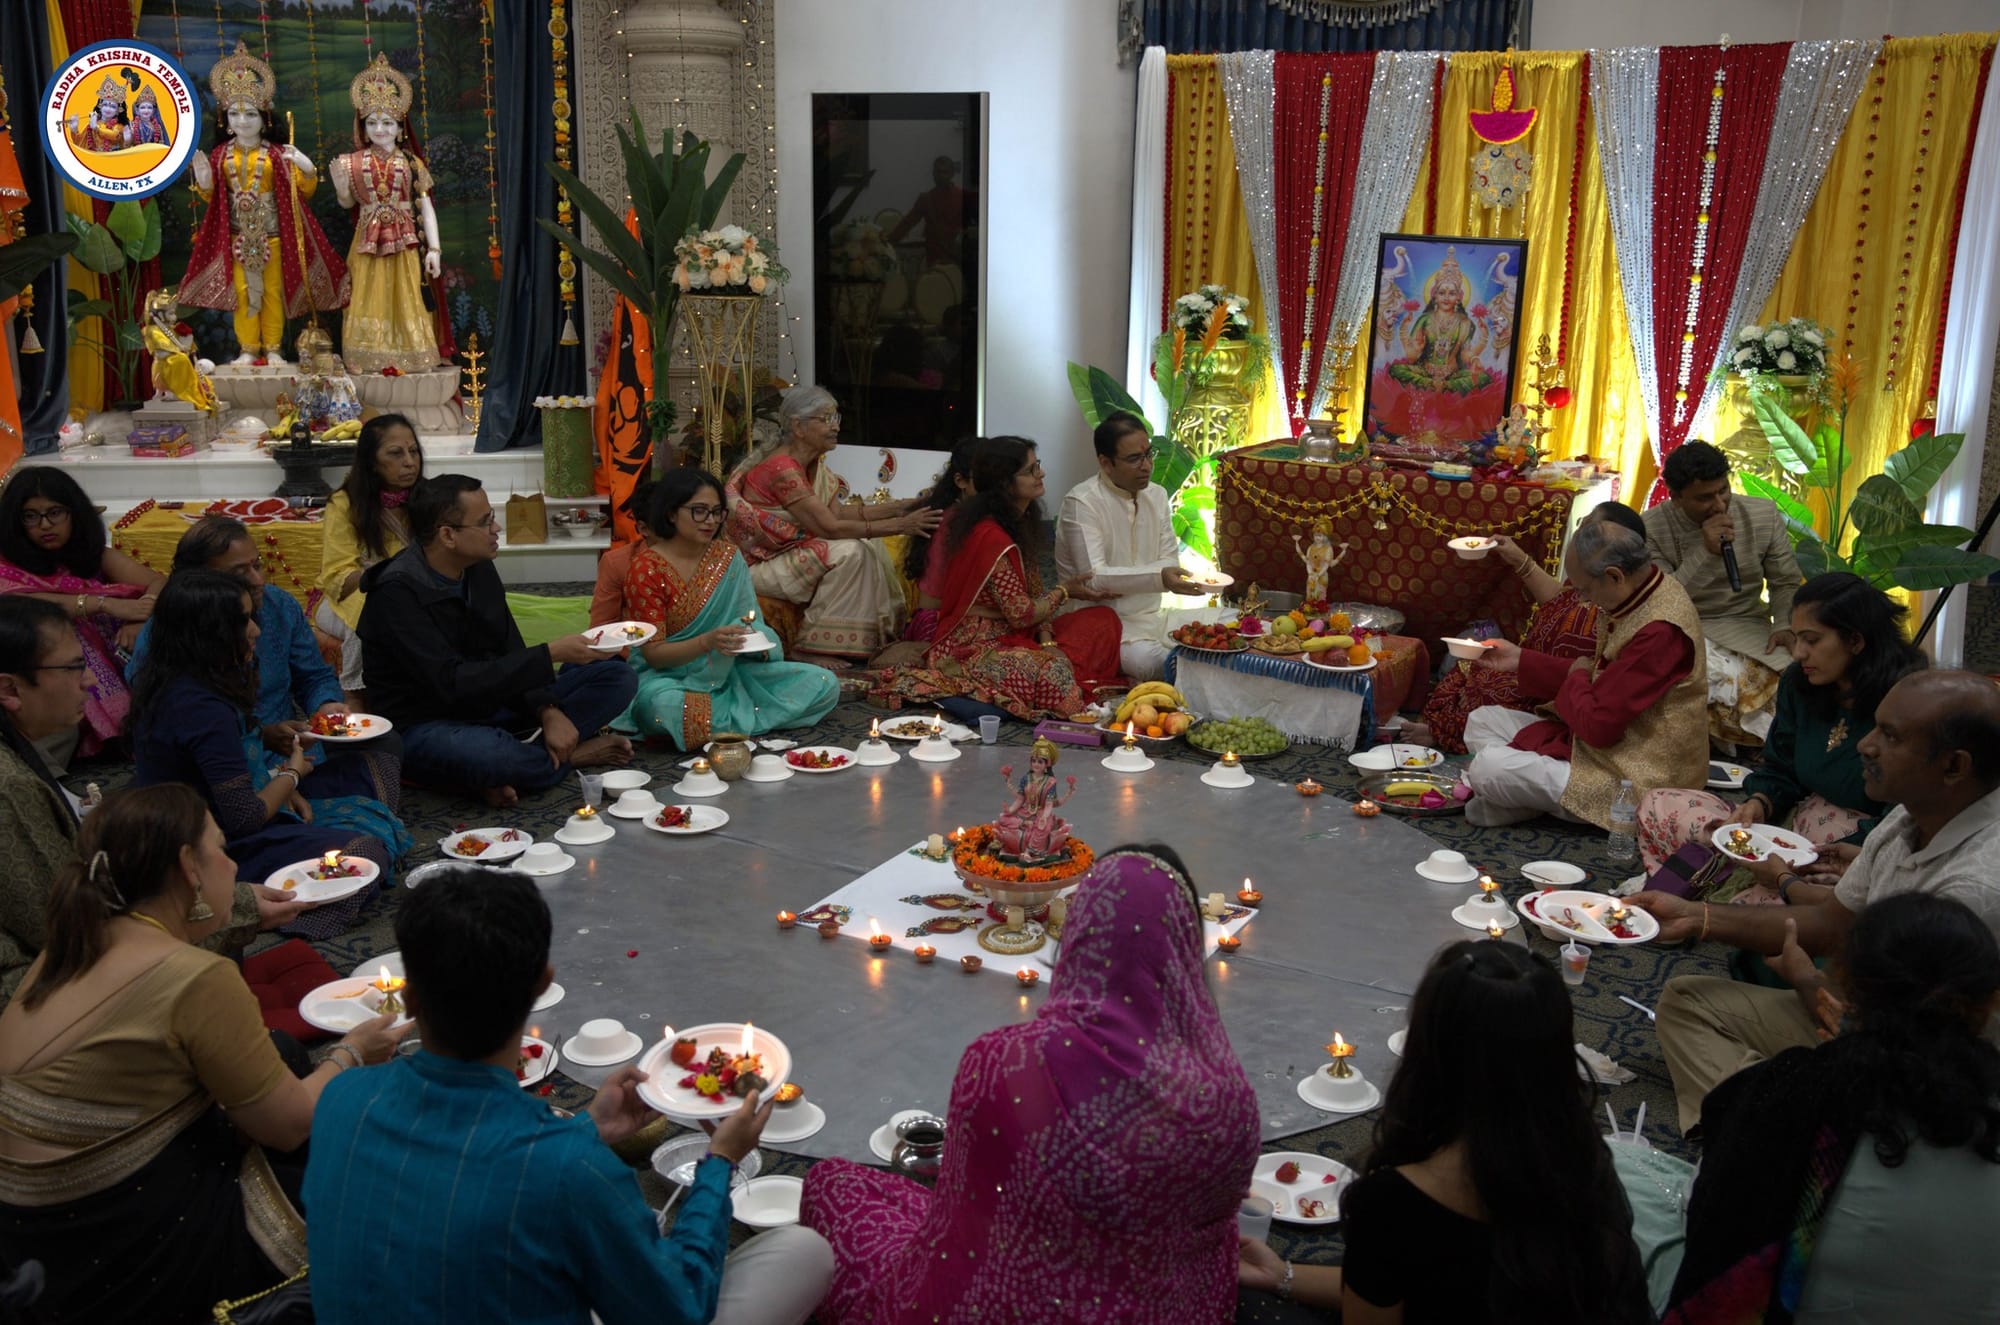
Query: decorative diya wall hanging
[(1502, 169)]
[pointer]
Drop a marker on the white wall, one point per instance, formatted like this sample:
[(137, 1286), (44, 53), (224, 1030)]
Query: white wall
[(1568, 25), (1058, 190)]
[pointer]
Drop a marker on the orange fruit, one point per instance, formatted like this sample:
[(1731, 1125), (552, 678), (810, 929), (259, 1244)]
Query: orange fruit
[(1155, 732), (1358, 655)]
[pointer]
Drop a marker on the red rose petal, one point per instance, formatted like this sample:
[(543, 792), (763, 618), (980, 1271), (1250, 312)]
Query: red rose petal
[(631, 952)]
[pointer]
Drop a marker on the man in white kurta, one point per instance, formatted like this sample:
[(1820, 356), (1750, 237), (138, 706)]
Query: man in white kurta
[(1116, 528)]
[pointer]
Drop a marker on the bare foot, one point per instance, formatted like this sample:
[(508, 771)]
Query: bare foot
[(609, 750), (500, 798)]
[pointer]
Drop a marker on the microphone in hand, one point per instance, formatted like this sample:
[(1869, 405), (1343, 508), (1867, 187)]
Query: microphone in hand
[(1729, 565)]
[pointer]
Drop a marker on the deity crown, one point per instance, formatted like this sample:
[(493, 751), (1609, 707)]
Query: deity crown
[(380, 89), (241, 79), (1045, 749), (147, 97), (1449, 274), (1323, 525)]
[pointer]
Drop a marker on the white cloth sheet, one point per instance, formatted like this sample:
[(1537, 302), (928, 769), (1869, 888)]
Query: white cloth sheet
[(1149, 233), (1324, 715)]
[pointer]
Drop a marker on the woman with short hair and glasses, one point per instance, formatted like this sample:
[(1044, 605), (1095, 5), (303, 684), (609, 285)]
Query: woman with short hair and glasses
[(695, 676), (53, 547), (804, 547)]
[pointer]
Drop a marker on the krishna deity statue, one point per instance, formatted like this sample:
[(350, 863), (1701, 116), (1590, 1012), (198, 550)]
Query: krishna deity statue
[(387, 184), (257, 226)]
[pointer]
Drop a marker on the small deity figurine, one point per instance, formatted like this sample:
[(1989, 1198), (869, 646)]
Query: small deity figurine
[(322, 393), (1443, 342), (108, 129), (257, 226), (387, 184), (177, 374), (1320, 558), (1028, 829)]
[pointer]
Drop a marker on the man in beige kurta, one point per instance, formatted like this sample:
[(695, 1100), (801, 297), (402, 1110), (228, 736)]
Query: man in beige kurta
[(1748, 630)]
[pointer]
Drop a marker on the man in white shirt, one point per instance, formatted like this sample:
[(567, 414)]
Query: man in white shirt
[(1117, 529)]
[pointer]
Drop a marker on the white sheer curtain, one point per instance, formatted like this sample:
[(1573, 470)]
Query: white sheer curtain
[(1149, 236), (1965, 383)]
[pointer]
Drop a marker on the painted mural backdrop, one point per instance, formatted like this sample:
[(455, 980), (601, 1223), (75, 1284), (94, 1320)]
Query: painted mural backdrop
[(315, 53)]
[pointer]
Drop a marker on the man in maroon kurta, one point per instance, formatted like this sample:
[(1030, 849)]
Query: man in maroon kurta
[(1613, 717)]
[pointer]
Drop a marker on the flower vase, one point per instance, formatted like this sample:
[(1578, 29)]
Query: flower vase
[(722, 334), (569, 451), (1216, 414), (1744, 441)]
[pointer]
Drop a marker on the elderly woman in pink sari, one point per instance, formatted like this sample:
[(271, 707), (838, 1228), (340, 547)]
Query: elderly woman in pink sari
[(53, 547), (805, 547), (1094, 1158)]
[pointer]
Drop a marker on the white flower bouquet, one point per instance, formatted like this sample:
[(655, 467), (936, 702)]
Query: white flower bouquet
[(730, 260), (861, 252), (1193, 312), (1796, 346)]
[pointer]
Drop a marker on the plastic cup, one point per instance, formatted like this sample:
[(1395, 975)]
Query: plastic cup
[(1575, 961), (989, 728), (1253, 1218)]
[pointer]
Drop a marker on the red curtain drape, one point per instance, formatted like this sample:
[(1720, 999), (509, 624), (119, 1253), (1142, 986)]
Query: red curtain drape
[(1751, 79), (1302, 84), (85, 23)]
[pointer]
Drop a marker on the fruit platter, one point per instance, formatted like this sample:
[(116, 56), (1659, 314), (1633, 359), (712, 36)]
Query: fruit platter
[(1416, 792), (818, 759), (1303, 1188), (684, 1080), (1156, 711), (1586, 917), (1250, 738), (1209, 637)]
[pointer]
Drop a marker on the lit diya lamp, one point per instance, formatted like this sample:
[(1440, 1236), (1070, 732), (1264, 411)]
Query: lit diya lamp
[(789, 1093), (1495, 930), (877, 940), (1228, 772), (934, 748), (1248, 895), (700, 768), (1307, 787), (1489, 890), (329, 864), (787, 919), (1340, 1084), (970, 964), (585, 812), (875, 750), (1128, 757), (1228, 943), (829, 928), (926, 954), (1028, 977), (390, 987), (1367, 809)]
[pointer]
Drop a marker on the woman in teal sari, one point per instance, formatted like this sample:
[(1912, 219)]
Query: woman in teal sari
[(696, 587)]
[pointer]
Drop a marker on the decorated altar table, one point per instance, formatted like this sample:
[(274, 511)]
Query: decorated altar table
[(1265, 495), (1304, 701)]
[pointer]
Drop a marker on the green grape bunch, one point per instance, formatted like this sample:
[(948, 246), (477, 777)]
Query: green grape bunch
[(1246, 736)]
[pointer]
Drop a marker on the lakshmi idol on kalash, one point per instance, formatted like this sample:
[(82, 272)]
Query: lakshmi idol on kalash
[(387, 325), (257, 224)]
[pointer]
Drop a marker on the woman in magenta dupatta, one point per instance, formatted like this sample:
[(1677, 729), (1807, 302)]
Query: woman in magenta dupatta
[(53, 546), (1094, 1158)]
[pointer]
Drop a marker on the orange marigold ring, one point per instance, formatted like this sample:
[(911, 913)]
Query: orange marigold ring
[(1014, 885)]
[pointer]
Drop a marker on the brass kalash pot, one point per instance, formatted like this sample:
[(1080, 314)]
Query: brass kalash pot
[(729, 754)]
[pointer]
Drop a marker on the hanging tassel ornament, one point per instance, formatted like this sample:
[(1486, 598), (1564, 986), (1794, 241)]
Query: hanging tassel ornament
[(30, 342), (569, 336)]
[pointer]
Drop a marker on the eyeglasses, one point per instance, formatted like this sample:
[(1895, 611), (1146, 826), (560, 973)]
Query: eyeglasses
[(48, 515), (703, 514), (1148, 455), (1033, 471), (832, 420), (489, 524)]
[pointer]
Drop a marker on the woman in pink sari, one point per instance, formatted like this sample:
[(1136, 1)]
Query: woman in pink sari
[(1094, 1158), (53, 547)]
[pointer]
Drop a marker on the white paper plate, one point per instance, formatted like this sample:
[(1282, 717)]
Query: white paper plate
[(341, 1005), (1390, 758), (562, 862), (1313, 660), (1553, 874), (1586, 914), (646, 811), (771, 1201), (706, 819), (921, 727), (847, 755), (537, 1068), (305, 888), (502, 847), (1397, 1039), (662, 1088), (550, 996), (1314, 1090), (571, 836), (1473, 549), (1767, 840), (1214, 582), (360, 727), (1726, 777), (624, 779), (762, 643), (611, 638), (373, 967), (792, 1123), (1465, 650), (1312, 1170)]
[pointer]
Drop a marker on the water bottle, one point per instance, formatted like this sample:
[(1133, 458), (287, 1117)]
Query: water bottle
[(1622, 846)]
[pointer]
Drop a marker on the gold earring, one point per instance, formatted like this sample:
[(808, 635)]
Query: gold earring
[(200, 911)]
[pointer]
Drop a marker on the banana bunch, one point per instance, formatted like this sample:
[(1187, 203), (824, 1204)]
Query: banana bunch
[(1156, 693), (1407, 788), (345, 430)]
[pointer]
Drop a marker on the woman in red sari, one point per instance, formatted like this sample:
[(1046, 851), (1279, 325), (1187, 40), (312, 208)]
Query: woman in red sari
[(999, 640), (1564, 625)]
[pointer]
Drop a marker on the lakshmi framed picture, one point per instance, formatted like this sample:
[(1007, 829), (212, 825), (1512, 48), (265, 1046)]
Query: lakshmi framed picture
[(1442, 343)]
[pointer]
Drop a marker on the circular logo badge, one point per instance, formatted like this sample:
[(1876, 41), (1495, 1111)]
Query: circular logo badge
[(120, 119)]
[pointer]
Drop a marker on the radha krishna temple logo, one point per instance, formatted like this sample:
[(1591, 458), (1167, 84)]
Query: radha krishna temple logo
[(120, 120)]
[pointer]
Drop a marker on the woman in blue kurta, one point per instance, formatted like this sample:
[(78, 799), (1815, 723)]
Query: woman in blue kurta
[(696, 587), (191, 722)]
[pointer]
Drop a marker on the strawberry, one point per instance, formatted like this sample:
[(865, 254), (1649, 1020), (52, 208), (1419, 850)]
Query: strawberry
[(682, 1053), (1287, 1172)]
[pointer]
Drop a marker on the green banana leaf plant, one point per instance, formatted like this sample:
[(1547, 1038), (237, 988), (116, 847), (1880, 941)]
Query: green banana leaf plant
[(25, 259), (128, 236), (1189, 480), (1892, 546), (671, 196)]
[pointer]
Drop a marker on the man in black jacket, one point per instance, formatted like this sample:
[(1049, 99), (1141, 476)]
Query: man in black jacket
[(447, 665)]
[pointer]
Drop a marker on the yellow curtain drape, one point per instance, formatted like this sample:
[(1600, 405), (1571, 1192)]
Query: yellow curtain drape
[(1606, 417), (86, 370), (1872, 210), (1208, 232)]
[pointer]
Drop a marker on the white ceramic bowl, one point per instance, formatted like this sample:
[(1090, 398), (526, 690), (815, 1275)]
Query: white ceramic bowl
[(1472, 549), (1468, 649)]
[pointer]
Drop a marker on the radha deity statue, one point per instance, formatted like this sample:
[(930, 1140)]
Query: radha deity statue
[(177, 373), (257, 224), (1443, 343), (387, 325), (108, 129), (1029, 829), (147, 127)]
